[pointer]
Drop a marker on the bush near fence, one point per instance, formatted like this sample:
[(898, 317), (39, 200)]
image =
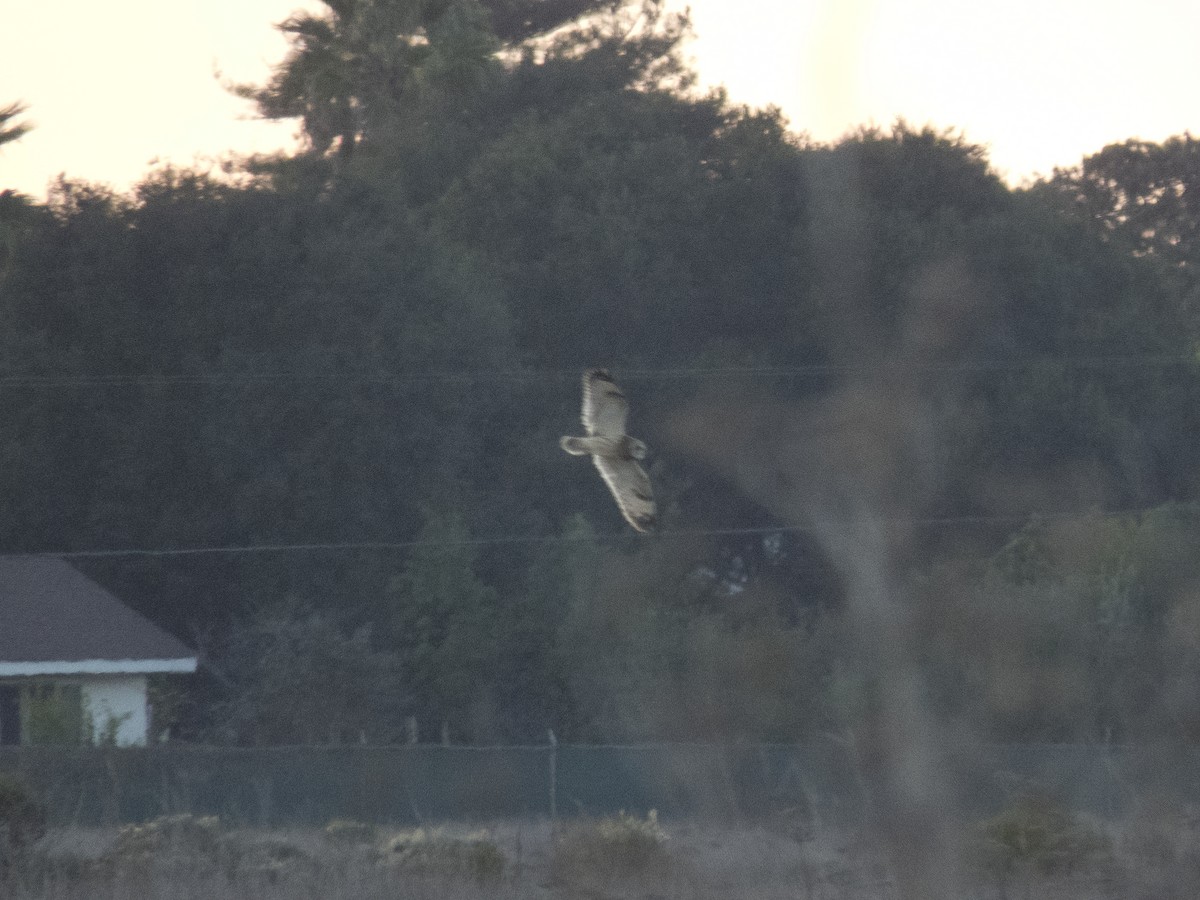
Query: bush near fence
[(405, 785)]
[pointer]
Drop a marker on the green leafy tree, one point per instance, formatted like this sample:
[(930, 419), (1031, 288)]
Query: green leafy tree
[(1077, 630), (1141, 195), (295, 677), (1140, 199), (52, 714), (352, 308), (17, 211), (668, 207), (18, 215), (659, 647), (444, 624), (532, 681), (499, 190), (924, 259)]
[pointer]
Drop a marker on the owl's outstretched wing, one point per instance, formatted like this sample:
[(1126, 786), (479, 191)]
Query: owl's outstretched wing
[(604, 405), (630, 485)]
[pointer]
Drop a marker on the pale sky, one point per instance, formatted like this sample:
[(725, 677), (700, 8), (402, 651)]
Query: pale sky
[(114, 86)]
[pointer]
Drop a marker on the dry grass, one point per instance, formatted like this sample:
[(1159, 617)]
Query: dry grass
[(1034, 852)]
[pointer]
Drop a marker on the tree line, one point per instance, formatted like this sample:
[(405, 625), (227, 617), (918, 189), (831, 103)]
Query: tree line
[(378, 339)]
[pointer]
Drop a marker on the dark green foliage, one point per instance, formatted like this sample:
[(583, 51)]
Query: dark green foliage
[(54, 714), (22, 817), (665, 648), (1080, 629), (1143, 197), (1034, 831), (626, 182), (379, 340), (297, 678), (444, 621), (18, 216), (356, 70)]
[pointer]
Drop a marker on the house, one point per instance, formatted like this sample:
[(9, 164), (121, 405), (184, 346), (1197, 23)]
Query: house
[(74, 658)]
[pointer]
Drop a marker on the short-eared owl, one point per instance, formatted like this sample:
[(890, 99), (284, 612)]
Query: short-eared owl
[(613, 451)]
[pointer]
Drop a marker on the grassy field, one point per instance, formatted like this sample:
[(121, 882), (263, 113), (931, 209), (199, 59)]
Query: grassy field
[(1031, 849)]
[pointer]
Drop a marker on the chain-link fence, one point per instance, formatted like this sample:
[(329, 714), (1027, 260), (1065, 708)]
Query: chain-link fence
[(820, 783)]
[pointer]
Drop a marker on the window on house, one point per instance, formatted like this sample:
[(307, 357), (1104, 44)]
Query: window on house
[(10, 715)]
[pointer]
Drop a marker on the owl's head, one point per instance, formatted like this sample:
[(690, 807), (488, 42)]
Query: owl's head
[(636, 449)]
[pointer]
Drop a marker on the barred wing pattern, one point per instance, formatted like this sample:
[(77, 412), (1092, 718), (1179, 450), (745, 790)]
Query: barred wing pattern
[(615, 454), (604, 405), (630, 486)]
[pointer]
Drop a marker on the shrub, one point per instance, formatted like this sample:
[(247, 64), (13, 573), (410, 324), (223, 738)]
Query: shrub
[(1163, 833), (348, 831), (432, 851), (183, 833), (270, 858), (22, 816), (1036, 831), (618, 844)]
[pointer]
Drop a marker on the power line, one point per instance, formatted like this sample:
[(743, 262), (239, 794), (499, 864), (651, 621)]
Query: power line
[(362, 546), (517, 376)]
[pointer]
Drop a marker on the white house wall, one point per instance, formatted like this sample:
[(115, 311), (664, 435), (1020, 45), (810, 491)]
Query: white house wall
[(120, 699)]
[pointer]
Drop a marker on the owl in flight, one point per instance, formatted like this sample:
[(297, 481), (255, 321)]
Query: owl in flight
[(613, 451)]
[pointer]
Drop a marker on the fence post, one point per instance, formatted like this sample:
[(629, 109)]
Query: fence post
[(553, 775)]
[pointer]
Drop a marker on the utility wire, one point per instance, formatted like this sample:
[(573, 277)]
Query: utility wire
[(354, 546), (471, 377)]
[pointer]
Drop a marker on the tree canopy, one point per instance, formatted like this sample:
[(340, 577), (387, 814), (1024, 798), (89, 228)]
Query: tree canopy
[(349, 368)]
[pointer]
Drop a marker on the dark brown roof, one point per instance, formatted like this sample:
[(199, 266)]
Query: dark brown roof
[(49, 610)]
